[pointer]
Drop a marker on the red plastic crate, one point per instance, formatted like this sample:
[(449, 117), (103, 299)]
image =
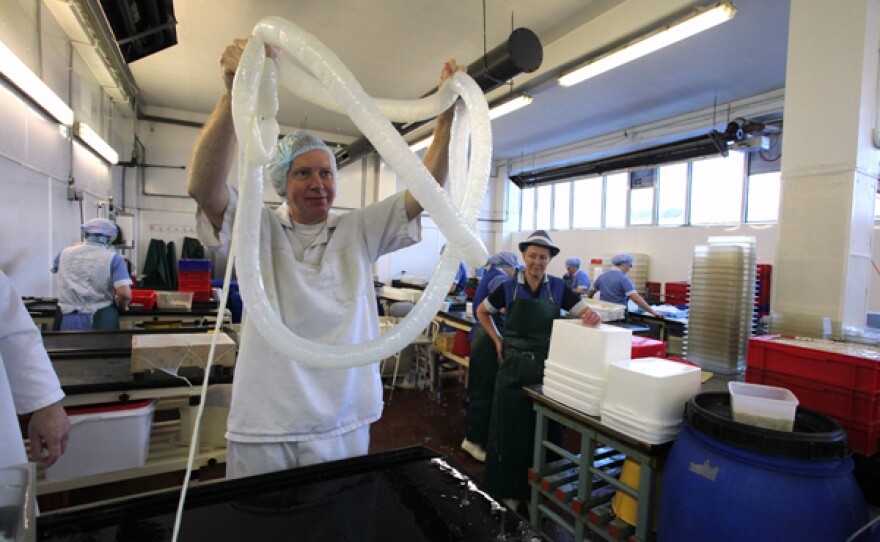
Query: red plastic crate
[(840, 403), (863, 438), (834, 368), (462, 345), (147, 298), (643, 347)]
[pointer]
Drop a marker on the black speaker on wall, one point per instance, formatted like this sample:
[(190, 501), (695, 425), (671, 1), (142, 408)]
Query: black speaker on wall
[(141, 27)]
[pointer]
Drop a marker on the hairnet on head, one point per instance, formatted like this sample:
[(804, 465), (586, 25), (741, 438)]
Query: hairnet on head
[(623, 257), (291, 146), (504, 259), (573, 262), (100, 226)]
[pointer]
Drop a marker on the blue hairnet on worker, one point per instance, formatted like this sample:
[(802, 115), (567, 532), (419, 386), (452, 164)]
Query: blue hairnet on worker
[(622, 258), (504, 260), (93, 280), (291, 146), (575, 277), (101, 230)]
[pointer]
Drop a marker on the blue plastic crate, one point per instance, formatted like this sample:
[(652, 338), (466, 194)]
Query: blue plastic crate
[(193, 264)]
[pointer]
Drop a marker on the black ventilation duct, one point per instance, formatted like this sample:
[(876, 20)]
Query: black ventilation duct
[(714, 142), (521, 53), (141, 27)]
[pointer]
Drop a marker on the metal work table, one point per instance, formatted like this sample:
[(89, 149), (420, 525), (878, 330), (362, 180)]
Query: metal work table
[(412, 494), (202, 314), (581, 500)]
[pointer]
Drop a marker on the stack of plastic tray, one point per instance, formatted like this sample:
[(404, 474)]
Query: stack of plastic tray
[(839, 379), (639, 272), (722, 304), (194, 275)]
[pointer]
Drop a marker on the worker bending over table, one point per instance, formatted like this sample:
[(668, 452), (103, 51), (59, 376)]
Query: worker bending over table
[(93, 281), (532, 301), (616, 287), (575, 278), (317, 266)]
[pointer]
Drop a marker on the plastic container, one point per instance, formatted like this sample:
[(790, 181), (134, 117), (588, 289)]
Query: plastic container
[(175, 300), (726, 481), (214, 415), (643, 347), (588, 349), (652, 390), (770, 407), (105, 438), (146, 298)]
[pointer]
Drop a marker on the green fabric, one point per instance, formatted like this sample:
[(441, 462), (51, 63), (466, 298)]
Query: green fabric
[(106, 318), (482, 370), (156, 265), (171, 263), (512, 425), (192, 249)]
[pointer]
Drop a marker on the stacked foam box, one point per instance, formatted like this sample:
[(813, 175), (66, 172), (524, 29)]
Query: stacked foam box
[(578, 361), (645, 398)]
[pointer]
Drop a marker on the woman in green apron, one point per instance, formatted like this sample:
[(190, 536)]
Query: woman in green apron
[(532, 302)]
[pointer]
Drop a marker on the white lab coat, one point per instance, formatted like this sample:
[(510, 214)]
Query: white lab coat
[(27, 380), (328, 299)]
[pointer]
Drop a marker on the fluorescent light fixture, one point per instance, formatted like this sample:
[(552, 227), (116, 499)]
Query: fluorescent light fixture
[(701, 19), (423, 143), (96, 143), (35, 89), (508, 106)]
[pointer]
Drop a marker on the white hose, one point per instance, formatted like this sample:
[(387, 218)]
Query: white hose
[(254, 103)]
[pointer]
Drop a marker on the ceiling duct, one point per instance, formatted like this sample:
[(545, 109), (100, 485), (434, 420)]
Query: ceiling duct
[(521, 53), (713, 143), (141, 27)]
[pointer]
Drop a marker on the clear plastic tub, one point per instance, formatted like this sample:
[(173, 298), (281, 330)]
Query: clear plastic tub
[(770, 407), (175, 300)]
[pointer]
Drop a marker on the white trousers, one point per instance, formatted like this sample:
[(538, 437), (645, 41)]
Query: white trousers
[(252, 458)]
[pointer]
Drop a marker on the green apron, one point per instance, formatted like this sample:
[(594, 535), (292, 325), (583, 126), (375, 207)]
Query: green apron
[(106, 318), (512, 429), (482, 370)]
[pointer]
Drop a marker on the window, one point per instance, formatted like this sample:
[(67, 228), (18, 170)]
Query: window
[(586, 210), (672, 194), (763, 199), (527, 218), (543, 206), (562, 206), (641, 206), (717, 189), (616, 187)]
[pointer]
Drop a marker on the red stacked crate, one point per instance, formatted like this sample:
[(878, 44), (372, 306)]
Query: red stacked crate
[(653, 292), (840, 384), (194, 275), (643, 347), (677, 293)]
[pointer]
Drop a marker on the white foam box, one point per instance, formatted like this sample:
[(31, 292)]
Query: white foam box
[(175, 350), (770, 407), (654, 390), (105, 438), (588, 349)]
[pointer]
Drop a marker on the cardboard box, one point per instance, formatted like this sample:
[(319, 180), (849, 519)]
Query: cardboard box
[(175, 350)]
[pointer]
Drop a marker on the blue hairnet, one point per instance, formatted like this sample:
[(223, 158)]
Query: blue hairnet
[(291, 146), (100, 226), (573, 262), (622, 258), (504, 259)]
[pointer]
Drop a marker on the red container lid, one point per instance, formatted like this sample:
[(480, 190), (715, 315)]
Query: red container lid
[(108, 407)]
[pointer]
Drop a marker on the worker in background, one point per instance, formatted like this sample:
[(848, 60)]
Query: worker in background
[(28, 385), (318, 264), (576, 278), (93, 281), (457, 287), (532, 301), (616, 287), (483, 364)]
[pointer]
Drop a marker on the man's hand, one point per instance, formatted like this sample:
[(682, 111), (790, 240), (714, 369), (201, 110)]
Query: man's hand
[(591, 318), (48, 431)]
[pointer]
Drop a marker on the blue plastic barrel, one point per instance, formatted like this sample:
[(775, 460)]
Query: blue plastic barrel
[(728, 481)]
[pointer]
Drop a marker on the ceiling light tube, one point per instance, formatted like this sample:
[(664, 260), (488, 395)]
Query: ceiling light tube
[(96, 143), (508, 106), (700, 20), (35, 89), (423, 143)]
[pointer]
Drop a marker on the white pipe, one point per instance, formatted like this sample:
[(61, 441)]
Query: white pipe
[(252, 92)]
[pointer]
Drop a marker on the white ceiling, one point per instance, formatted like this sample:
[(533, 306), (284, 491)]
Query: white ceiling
[(395, 49)]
